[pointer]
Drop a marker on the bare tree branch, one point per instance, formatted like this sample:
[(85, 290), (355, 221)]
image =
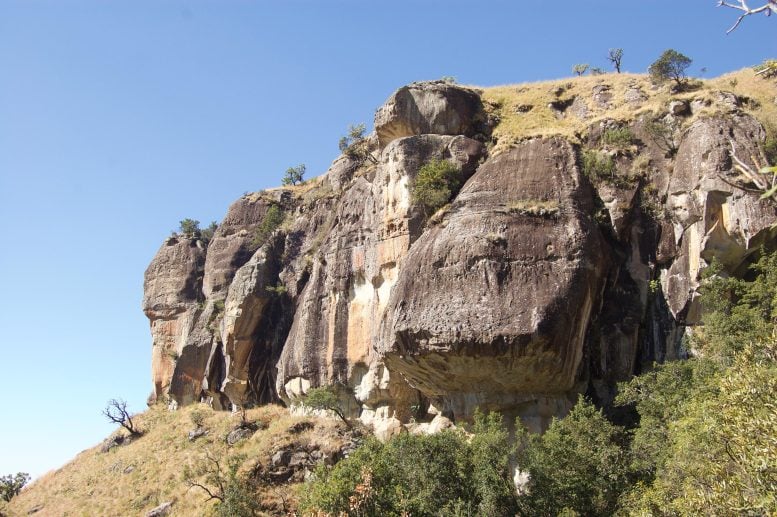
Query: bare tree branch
[(768, 8), (116, 412)]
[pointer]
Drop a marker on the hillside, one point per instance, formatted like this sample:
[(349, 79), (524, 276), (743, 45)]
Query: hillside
[(161, 465)]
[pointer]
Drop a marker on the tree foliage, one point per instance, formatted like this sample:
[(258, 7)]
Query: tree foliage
[(189, 227), (294, 175), (580, 464), (272, 220), (436, 182), (325, 398), (671, 65), (355, 145), (580, 68), (12, 484), (441, 474)]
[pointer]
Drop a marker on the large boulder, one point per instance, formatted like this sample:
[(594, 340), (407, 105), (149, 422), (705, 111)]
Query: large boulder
[(171, 299), (433, 107), (492, 305)]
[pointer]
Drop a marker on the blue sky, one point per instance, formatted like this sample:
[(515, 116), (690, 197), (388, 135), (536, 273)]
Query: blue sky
[(120, 118)]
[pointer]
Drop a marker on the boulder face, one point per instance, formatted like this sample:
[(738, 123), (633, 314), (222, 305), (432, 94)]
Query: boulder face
[(493, 303), (540, 280), (429, 108)]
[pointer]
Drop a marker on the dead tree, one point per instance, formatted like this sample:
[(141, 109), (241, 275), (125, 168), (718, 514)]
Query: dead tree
[(768, 9), (116, 412)]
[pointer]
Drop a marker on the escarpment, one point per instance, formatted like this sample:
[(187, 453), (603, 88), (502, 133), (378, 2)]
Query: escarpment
[(568, 260)]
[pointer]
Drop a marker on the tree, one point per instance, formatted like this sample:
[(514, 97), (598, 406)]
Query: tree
[(234, 496), (615, 55), (670, 66), (579, 464), (768, 8), (294, 175), (12, 484), (355, 145), (272, 220), (435, 184), (189, 227), (580, 68), (206, 235), (325, 398), (116, 412)]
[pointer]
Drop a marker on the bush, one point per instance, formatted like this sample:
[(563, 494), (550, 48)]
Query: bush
[(598, 166), (12, 484), (325, 398), (767, 69), (620, 137), (441, 474), (579, 464), (198, 416), (355, 145), (670, 66), (436, 183), (189, 227), (206, 235), (272, 220)]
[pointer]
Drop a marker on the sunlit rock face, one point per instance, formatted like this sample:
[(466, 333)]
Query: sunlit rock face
[(534, 284), (493, 303)]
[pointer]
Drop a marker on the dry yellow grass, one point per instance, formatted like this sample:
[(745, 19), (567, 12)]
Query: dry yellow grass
[(132, 479), (524, 109)]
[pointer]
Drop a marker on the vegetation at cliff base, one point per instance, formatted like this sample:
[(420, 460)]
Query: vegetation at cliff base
[(440, 474)]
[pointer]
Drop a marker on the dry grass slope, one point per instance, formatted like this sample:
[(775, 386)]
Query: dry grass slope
[(130, 480), (526, 110)]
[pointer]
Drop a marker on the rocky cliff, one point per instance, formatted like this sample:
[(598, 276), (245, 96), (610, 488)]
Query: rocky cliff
[(569, 259)]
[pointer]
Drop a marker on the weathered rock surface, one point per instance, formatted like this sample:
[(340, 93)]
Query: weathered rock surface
[(492, 306), (536, 282), (429, 108)]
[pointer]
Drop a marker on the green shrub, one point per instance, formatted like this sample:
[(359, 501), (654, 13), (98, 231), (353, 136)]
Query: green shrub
[(355, 145), (206, 235), (325, 398), (620, 137), (198, 416), (598, 166), (272, 220), (435, 184), (580, 464), (12, 484), (441, 474), (189, 227)]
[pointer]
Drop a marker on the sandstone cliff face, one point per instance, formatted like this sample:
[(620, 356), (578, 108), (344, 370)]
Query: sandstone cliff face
[(536, 283)]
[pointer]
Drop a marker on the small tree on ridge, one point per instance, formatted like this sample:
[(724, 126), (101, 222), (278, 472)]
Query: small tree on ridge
[(670, 66)]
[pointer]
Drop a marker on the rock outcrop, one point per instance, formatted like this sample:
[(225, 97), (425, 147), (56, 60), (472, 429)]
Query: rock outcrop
[(539, 280)]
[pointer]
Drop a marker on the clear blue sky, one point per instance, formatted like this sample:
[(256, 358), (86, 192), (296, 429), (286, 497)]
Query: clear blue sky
[(120, 118)]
